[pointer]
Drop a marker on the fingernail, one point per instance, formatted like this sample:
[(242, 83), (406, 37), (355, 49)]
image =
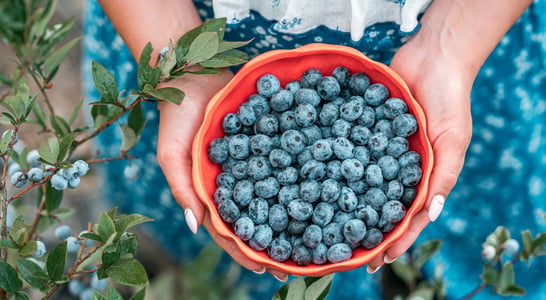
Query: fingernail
[(436, 207), (389, 260), (372, 270), (190, 220), (259, 271), (281, 279)]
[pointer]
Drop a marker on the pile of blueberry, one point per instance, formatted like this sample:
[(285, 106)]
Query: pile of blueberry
[(318, 168)]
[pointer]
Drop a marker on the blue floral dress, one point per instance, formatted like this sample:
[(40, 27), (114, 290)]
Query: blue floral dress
[(503, 181)]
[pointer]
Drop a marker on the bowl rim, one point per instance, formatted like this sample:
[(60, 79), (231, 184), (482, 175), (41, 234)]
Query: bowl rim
[(224, 229)]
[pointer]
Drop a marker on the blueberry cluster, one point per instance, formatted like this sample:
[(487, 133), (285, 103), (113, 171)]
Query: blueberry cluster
[(318, 168)]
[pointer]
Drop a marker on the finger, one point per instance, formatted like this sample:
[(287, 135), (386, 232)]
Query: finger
[(375, 264), (418, 223), (280, 276), (231, 248)]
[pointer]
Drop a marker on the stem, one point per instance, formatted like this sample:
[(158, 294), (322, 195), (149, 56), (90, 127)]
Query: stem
[(40, 86), (108, 159), (475, 291), (37, 216), (3, 220)]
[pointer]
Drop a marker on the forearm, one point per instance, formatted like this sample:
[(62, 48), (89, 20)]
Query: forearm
[(150, 21), (466, 31)]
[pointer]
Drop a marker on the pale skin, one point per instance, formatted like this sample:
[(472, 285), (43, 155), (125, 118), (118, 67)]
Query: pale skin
[(439, 64)]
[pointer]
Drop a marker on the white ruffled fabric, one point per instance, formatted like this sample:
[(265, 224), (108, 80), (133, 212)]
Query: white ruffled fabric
[(300, 16)]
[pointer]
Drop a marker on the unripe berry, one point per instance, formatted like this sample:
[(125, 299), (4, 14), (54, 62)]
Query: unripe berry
[(511, 247), (489, 252), (63, 232), (72, 244), (41, 249)]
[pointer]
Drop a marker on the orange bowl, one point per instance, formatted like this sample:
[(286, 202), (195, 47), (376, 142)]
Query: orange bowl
[(289, 65)]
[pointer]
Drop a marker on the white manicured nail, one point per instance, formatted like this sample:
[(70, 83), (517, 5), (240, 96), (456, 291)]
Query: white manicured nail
[(372, 270), (260, 271), (436, 207), (190, 220), (388, 260)]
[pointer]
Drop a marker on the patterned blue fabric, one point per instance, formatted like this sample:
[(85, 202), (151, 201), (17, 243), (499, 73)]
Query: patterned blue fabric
[(503, 181)]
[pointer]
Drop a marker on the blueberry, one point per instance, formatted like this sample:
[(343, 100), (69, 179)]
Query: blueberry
[(228, 211), (228, 164), (287, 121), (72, 244), (333, 170), (404, 125), (347, 200), (261, 144), (239, 146), (389, 167), (63, 232), (395, 107), (58, 182), (359, 135), (312, 236), (339, 252), (293, 141), (238, 170), (362, 154), (384, 225), (351, 110), (244, 228), (397, 146), (384, 126), (378, 142), (328, 87), (263, 235), (267, 85), (279, 249), (301, 255), (328, 114), (343, 148), (305, 114), (373, 175), (372, 239), (281, 101), (278, 218), (376, 198), (231, 124), (354, 231), (332, 234), (410, 175), (342, 75), (358, 83), (221, 194), (358, 186), (259, 104), (308, 96), (246, 114), (340, 216), (312, 133), (293, 86), (330, 190), (310, 78), (367, 118), (243, 192), (225, 179), (376, 94), (258, 210), (40, 249), (279, 158), (218, 150), (310, 190), (258, 167), (322, 150), (267, 188), (393, 211), (74, 182), (267, 124), (322, 214), (313, 170), (341, 128), (296, 227), (13, 168), (367, 214), (288, 193), (132, 170), (98, 284), (319, 254), (511, 247), (304, 156), (410, 192), (19, 179), (395, 190), (32, 158), (352, 169), (287, 176), (300, 209), (410, 158)]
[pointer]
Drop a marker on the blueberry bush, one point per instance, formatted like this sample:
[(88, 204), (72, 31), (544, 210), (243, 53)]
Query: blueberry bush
[(87, 263)]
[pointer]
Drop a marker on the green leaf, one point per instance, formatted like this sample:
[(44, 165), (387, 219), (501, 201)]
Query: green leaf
[(490, 275), (6, 140), (20, 295), (498, 237), (296, 289), (203, 47), (75, 112), (506, 276), (15, 106), (97, 296), (281, 293), (184, 42), (60, 125), (424, 293), (130, 138), (56, 58), (168, 62), (10, 118), (8, 244), (65, 145), (28, 248), (9, 281), (38, 26), (513, 290), (53, 197), (128, 221), (106, 226), (135, 120), (170, 94), (49, 150), (40, 114), (224, 45), (128, 271), (56, 262), (425, 251), (32, 273), (216, 25), (319, 289), (54, 34), (140, 295), (539, 242), (146, 74), (221, 61), (92, 236), (405, 272), (105, 82), (203, 266), (113, 294)]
